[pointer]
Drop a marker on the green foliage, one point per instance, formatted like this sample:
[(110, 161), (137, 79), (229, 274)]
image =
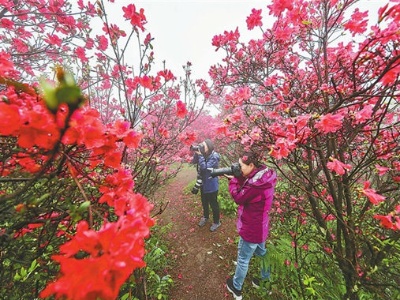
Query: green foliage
[(156, 263), (187, 189), (160, 285), (158, 282), (23, 273), (226, 203), (302, 269), (26, 264), (289, 279)]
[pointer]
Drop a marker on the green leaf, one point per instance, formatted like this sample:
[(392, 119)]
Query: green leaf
[(49, 94), (68, 94), (40, 199), (84, 206), (125, 296), (33, 266), (17, 277), (69, 80)]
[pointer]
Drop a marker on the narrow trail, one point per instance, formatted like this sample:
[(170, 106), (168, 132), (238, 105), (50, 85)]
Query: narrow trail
[(202, 259)]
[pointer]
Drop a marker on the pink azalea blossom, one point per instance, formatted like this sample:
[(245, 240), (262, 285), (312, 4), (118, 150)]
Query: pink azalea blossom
[(102, 42), (279, 6), (187, 138), (282, 148), (357, 23), (391, 76), (20, 45), (386, 221), (136, 18), (120, 128), (6, 63), (371, 194), (242, 94), (254, 19), (132, 139), (146, 81), (223, 130), (81, 54), (225, 39), (167, 74), (89, 43), (53, 39), (338, 167), (181, 110), (6, 24), (381, 170), (246, 140), (329, 123), (364, 114), (163, 132), (256, 133)]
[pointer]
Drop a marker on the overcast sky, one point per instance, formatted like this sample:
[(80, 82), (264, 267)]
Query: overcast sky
[(183, 29)]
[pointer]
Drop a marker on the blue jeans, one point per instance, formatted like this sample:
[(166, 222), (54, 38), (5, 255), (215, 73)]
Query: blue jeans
[(245, 252)]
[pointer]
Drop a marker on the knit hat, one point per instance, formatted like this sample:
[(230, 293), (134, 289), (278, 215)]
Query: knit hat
[(210, 145)]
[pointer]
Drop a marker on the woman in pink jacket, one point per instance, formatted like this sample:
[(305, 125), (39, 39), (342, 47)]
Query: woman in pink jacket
[(253, 191)]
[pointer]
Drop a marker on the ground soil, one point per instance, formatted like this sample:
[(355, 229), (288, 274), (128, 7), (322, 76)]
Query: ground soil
[(202, 260)]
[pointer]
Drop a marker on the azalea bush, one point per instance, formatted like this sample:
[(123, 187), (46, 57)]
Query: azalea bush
[(115, 65), (88, 131), (74, 203), (316, 95)]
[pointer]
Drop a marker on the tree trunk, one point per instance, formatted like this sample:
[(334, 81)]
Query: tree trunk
[(140, 280)]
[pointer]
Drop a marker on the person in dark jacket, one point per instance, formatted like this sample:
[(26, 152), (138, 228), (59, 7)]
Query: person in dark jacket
[(208, 159), (253, 191)]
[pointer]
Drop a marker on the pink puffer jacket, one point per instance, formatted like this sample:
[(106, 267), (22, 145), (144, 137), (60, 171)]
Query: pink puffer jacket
[(254, 195)]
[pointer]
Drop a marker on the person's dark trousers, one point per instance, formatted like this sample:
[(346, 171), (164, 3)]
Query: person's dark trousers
[(207, 200)]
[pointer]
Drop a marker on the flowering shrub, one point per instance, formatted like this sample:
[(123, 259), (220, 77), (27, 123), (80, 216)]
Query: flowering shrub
[(315, 93), (99, 216)]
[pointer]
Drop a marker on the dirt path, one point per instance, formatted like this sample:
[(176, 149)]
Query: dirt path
[(203, 259)]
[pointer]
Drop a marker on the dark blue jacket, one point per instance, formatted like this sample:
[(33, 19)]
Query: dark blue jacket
[(210, 184)]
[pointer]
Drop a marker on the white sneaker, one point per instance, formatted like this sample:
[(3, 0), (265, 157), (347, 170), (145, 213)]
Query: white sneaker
[(215, 226), (203, 222)]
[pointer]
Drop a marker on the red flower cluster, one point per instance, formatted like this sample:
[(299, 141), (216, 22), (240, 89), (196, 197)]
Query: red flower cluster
[(391, 221), (111, 253), (28, 119), (254, 19), (136, 18)]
